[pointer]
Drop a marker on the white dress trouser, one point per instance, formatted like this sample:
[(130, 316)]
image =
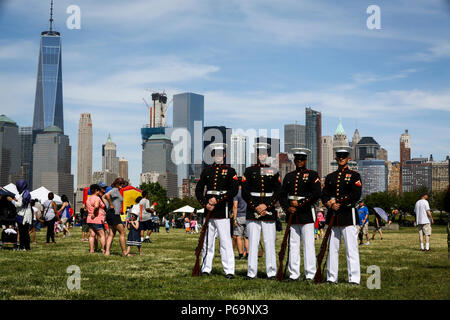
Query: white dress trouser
[(351, 248), (220, 227), (269, 235), (305, 233)]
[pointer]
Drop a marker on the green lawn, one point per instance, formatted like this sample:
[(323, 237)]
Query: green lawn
[(164, 271)]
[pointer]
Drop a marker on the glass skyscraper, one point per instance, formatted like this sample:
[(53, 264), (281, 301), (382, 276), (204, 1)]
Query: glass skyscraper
[(188, 113), (294, 137), (373, 176), (313, 122), (48, 105)]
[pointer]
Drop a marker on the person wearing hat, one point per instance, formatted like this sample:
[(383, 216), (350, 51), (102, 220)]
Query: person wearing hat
[(134, 237), (260, 189), (300, 191), (340, 194), (221, 183)]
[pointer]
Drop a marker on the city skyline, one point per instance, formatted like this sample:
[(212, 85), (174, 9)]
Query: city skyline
[(407, 82)]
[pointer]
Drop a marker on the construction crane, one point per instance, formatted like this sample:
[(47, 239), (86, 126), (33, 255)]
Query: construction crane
[(158, 109)]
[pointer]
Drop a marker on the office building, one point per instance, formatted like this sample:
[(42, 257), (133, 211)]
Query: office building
[(394, 178), (355, 139), (439, 175), (52, 162), (84, 159), (238, 153), (188, 113), (327, 155), (123, 168), (110, 162), (167, 180), (340, 137), (26, 153), (294, 137), (405, 152), (374, 176), (106, 177), (313, 131), (157, 164), (187, 188), (382, 154), (48, 105), (416, 173), (285, 164), (367, 149), (9, 151)]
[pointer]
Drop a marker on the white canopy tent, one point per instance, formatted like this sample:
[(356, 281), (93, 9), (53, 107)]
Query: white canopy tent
[(42, 195), (185, 209)]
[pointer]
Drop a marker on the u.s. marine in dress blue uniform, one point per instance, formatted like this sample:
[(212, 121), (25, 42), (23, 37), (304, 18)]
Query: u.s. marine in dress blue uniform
[(340, 194), (260, 189), (221, 183), (300, 191)]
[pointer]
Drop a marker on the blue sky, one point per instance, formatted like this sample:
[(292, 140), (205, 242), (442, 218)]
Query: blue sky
[(258, 64)]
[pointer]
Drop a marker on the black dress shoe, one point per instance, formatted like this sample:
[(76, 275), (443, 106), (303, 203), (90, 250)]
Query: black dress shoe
[(229, 276), (271, 278), (292, 280), (353, 284), (248, 278), (205, 274)]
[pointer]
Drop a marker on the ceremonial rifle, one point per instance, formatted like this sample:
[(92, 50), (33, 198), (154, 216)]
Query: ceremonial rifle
[(283, 247), (198, 250), (323, 249)]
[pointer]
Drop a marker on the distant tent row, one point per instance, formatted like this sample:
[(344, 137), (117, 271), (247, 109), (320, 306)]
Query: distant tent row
[(40, 193), (188, 209), (129, 195)]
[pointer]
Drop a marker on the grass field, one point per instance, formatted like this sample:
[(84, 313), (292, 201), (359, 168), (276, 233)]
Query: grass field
[(164, 271)]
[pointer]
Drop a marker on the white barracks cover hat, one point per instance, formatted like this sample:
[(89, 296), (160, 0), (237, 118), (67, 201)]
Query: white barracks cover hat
[(298, 152)]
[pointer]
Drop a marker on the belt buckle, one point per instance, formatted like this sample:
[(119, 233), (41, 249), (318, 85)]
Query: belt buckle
[(263, 194)]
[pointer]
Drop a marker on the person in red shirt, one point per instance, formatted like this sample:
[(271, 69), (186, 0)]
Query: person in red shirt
[(96, 218)]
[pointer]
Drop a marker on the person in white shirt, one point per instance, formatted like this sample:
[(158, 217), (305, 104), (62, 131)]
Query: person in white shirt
[(424, 219), (145, 217)]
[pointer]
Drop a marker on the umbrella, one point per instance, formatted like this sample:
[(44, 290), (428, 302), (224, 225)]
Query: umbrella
[(11, 188), (4, 192), (381, 213)]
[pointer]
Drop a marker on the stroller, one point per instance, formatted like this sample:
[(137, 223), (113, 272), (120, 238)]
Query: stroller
[(7, 217), (9, 237)]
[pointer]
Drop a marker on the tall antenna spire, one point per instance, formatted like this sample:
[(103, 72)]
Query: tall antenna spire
[(51, 16)]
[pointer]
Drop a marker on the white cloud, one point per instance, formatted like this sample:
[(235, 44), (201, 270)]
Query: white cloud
[(435, 52), (127, 85), (22, 49)]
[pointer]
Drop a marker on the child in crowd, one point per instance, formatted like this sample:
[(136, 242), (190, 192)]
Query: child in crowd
[(320, 224), (134, 237), (84, 225), (167, 225), (58, 228), (193, 225)]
